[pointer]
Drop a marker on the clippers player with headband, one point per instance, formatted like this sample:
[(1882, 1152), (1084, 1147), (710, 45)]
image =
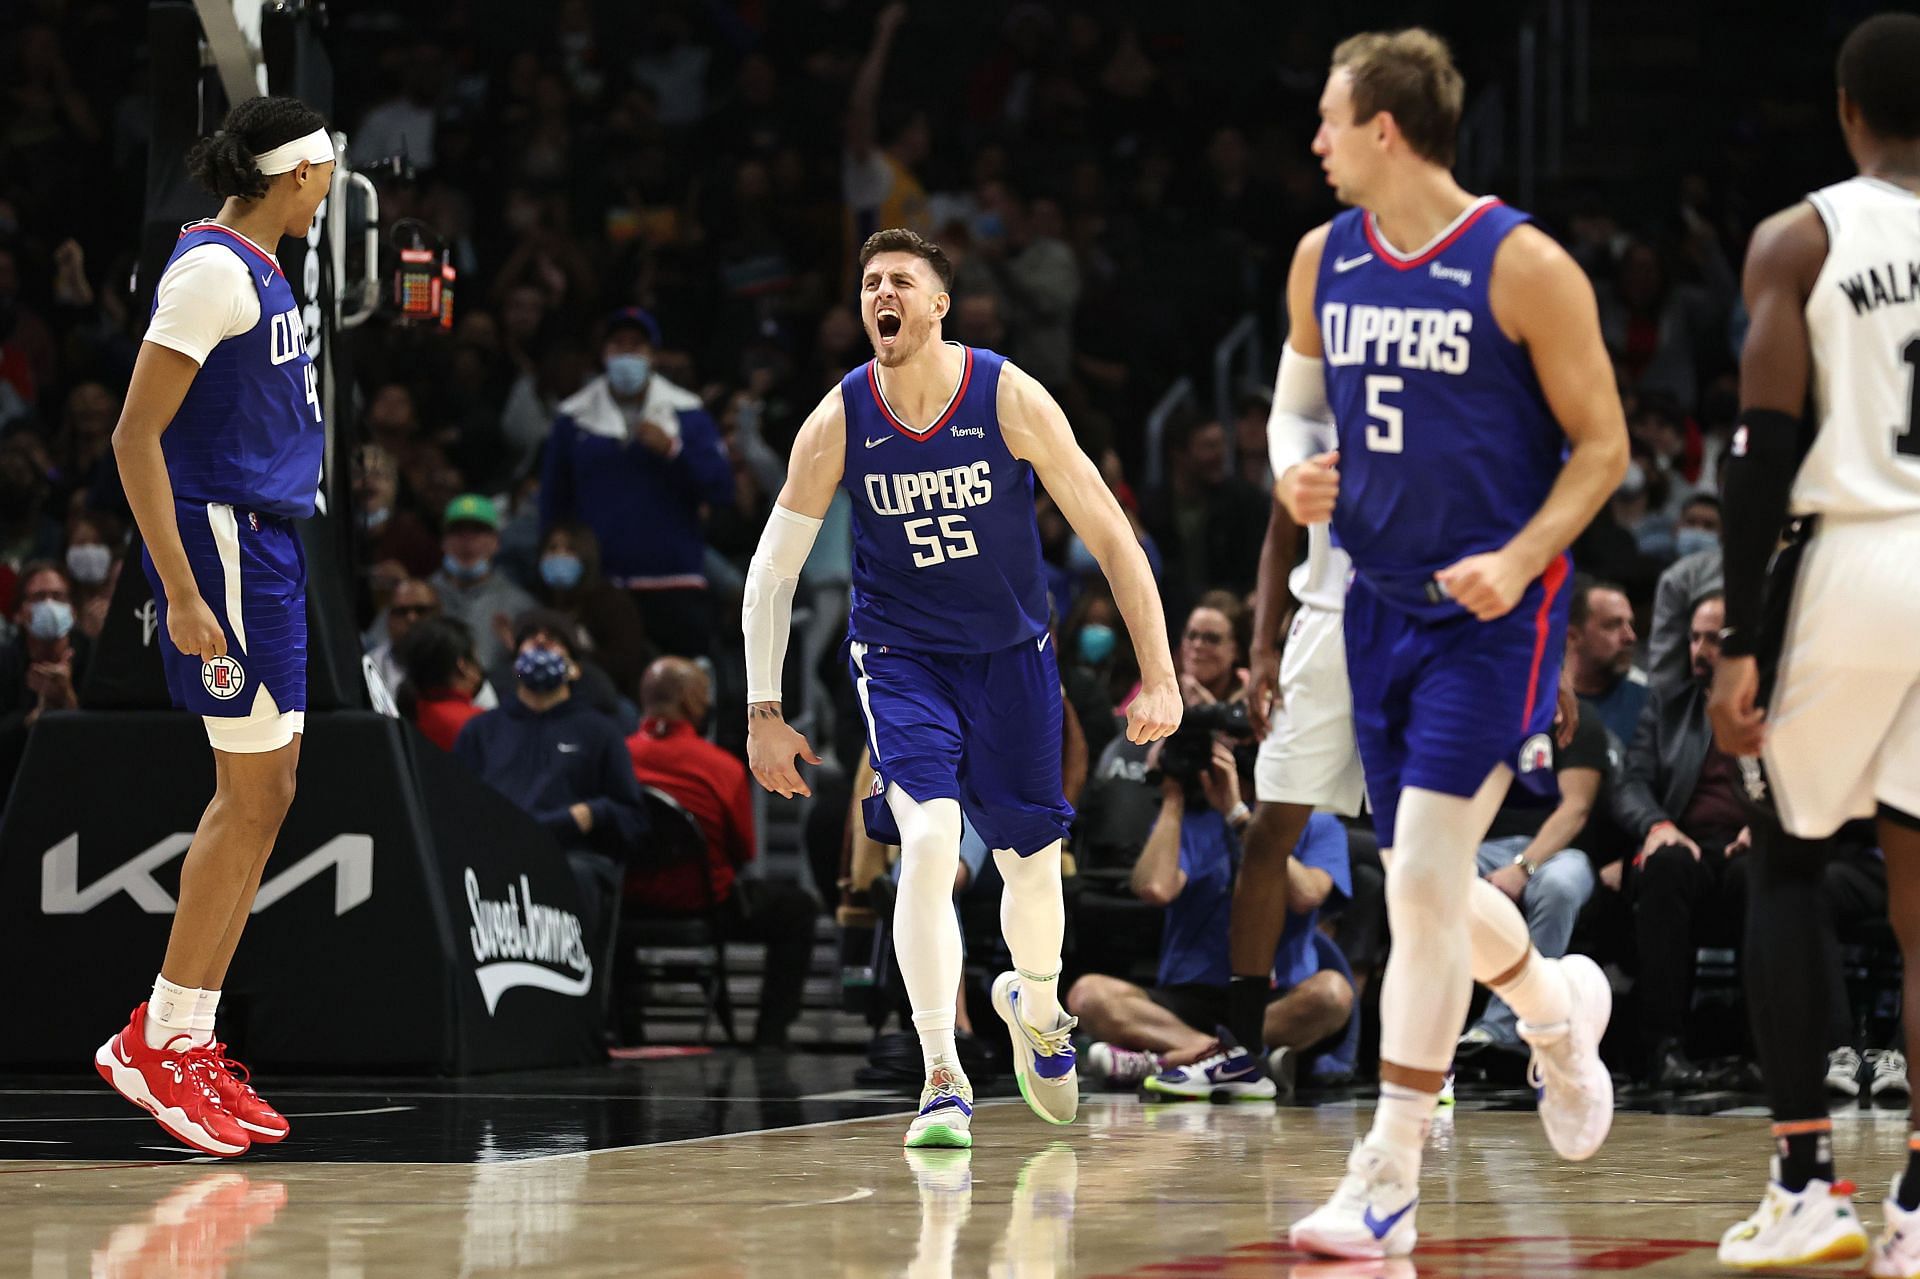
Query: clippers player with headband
[(220, 447), (939, 446), (1458, 356), (1818, 689)]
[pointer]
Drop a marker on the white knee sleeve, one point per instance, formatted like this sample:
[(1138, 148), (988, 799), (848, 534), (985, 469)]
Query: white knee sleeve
[(1429, 980), (1033, 913), (926, 935)]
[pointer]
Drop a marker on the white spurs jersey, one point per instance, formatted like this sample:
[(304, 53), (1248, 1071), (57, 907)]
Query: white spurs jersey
[(1863, 320)]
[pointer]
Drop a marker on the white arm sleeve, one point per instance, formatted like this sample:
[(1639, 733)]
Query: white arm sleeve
[(204, 298), (766, 610), (1301, 422)]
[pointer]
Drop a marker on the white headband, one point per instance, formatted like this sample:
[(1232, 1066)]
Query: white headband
[(315, 148)]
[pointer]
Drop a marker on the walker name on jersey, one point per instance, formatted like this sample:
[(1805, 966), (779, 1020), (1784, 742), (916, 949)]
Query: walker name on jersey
[(1421, 338), (955, 488), (1876, 287), (289, 337)]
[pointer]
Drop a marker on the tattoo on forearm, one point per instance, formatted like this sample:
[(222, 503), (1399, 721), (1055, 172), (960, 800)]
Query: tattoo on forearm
[(764, 710)]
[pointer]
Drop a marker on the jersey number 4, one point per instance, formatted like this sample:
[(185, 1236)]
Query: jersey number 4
[(1383, 419), (954, 541), (313, 392)]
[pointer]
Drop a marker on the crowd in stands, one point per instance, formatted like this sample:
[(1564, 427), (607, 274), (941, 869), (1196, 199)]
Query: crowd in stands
[(653, 211)]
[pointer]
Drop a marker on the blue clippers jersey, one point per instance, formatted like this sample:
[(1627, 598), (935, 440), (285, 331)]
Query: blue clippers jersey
[(946, 554), (1447, 446), (249, 433)]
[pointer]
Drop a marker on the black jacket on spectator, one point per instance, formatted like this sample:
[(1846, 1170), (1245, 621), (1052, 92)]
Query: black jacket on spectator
[(547, 762), (1663, 763)]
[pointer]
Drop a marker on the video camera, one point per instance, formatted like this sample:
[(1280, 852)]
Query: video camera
[(1189, 752)]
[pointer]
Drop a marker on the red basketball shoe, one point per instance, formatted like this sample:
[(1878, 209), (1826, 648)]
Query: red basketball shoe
[(174, 1083), (263, 1123)]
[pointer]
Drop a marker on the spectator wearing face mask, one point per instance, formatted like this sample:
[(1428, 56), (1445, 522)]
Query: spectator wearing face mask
[(42, 665), (560, 763), (1695, 574), (93, 565), (469, 586), (604, 618), (634, 458)]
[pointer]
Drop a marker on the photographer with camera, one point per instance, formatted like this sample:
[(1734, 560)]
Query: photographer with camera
[(1187, 863)]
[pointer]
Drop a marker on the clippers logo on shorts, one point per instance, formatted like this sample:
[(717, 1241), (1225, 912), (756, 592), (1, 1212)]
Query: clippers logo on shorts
[(1536, 753), (223, 677)]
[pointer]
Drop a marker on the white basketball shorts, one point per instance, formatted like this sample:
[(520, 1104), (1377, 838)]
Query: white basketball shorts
[(1843, 728), (1310, 756)]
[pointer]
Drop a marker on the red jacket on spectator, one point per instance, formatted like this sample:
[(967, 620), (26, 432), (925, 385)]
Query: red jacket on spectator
[(712, 786), (442, 714)]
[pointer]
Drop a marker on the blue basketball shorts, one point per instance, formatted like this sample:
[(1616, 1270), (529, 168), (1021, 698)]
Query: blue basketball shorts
[(252, 573), (1439, 702), (980, 728)]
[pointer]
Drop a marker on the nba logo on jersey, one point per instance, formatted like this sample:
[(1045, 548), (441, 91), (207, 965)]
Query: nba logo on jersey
[(253, 520), (223, 677)]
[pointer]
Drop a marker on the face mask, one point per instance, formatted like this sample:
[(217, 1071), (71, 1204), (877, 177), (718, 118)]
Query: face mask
[(1096, 643), (1635, 482), (466, 572), (49, 619), (378, 518), (626, 374), (561, 572), (89, 563), (540, 670), (1691, 541)]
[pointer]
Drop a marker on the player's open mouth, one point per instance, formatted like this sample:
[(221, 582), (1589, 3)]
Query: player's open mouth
[(887, 322)]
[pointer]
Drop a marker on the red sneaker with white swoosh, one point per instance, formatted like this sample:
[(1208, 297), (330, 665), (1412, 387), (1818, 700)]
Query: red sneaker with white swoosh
[(175, 1084), (263, 1123)]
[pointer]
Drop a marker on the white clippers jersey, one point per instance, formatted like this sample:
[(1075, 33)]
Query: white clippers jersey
[(1863, 319)]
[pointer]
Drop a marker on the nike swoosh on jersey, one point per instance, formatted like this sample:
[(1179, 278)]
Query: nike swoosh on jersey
[(1041, 647), (874, 444), (266, 281), (1343, 265), (1380, 1226)]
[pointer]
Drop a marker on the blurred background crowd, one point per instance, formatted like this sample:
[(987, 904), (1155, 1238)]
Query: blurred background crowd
[(653, 210)]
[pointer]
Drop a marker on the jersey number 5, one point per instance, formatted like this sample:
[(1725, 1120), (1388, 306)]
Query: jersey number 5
[(1383, 419), (954, 541)]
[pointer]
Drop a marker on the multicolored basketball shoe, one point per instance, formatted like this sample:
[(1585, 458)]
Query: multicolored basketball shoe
[(946, 1112), (1043, 1060), (1896, 1253), (1230, 1073), (1118, 1067), (1370, 1215), (1796, 1228), (173, 1083)]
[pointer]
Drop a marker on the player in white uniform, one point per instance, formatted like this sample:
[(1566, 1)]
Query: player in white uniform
[(1833, 286)]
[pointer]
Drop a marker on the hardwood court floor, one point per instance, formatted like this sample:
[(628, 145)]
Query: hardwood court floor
[(1130, 1190)]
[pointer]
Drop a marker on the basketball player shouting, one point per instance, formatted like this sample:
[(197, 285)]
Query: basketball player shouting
[(219, 448), (1460, 357), (1830, 286), (939, 445)]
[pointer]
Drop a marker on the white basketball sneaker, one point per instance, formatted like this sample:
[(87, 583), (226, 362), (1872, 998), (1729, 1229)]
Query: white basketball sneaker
[(1576, 1092), (1371, 1213), (1896, 1253), (1797, 1228), (946, 1111)]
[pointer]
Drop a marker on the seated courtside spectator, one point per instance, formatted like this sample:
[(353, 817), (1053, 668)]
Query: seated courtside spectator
[(1171, 1038), (562, 764), (669, 754), (441, 677)]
